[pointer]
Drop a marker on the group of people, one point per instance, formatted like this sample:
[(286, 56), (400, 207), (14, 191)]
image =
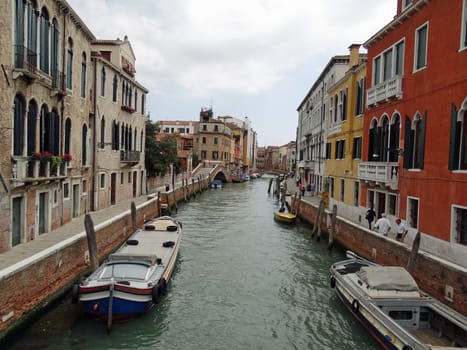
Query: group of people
[(383, 225)]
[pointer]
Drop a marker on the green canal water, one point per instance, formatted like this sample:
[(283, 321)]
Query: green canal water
[(242, 281)]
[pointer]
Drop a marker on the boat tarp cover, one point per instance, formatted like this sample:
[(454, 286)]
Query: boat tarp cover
[(387, 278)]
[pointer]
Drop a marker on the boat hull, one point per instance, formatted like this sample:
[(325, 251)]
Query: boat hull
[(285, 217)]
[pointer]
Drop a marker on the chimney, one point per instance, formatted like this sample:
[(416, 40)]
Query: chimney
[(354, 54)]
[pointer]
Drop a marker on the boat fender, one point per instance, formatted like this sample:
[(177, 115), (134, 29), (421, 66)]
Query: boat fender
[(172, 228), (168, 244), (407, 347), (75, 293), (132, 242), (162, 286), (355, 305), (156, 295), (333, 282)]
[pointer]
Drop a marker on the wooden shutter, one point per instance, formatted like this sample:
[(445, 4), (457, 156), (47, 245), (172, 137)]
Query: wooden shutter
[(408, 144), (454, 140)]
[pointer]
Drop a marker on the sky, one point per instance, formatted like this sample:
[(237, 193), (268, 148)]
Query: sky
[(242, 58)]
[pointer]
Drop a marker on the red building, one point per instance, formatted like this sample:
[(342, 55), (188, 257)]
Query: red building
[(415, 148)]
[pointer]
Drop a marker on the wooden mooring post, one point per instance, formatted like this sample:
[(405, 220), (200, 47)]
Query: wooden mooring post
[(92, 245), (332, 231), (414, 253), (270, 184), (317, 225)]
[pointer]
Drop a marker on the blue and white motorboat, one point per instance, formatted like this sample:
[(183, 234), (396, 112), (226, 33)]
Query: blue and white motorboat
[(216, 183), (388, 303), (135, 277)]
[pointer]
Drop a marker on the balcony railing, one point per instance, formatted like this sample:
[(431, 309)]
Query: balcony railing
[(129, 156), (391, 88), (59, 82), (384, 173), (25, 59), (26, 170)]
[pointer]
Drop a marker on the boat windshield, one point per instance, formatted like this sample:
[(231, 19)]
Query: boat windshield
[(125, 271)]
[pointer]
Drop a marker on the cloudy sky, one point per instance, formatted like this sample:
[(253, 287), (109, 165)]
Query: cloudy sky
[(243, 58)]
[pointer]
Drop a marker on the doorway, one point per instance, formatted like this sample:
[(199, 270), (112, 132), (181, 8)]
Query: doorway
[(43, 212), (135, 181), (17, 221), (113, 184), (75, 200)]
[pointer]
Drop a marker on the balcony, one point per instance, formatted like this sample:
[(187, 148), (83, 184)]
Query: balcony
[(59, 83), (129, 157), (128, 108), (24, 170), (391, 88), (385, 174), (25, 63)]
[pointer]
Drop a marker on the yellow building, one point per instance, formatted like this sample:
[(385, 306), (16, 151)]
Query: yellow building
[(344, 135)]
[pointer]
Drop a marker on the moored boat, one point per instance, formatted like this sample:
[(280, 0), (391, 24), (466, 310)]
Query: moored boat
[(135, 277), (388, 303), (216, 183), (282, 216)]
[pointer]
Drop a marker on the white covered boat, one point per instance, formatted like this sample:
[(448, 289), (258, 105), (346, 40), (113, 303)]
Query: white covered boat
[(388, 303), (134, 277)]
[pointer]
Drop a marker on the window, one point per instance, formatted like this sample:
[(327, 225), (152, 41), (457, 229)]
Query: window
[(102, 181), (401, 314), (102, 143), (216, 141), (85, 186), (19, 31), (458, 140), (32, 122), (392, 200), (332, 187), (129, 177), (328, 150), (103, 82), (389, 64), (18, 126), (412, 212), (421, 43), (83, 76), (49, 130), (54, 54), (399, 57), (356, 193), (204, 140), (136, 100), (342, 190), (44, 41), (387, 71), (115, 135), (464, 26), (84, 145), (66, 190), (216, 128), (215, 155), (205, 127), (203, 154), (406, 3), (360, 96), (357, 148), (122, 178), (460, 225), (69, 65), (114, 89), (414, 142), (377, 71), (340, 149), (67, 135), (33, 16), (143, 98)]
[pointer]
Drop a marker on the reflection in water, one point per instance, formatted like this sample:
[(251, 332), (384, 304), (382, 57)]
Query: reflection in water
[(242, 281)]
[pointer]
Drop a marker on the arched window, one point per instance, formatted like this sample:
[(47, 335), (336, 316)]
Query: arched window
[(142, 141), (135, 139), (18, 126), (136, 100), (84, 145), (83, 75), (52, 133), (130, 98), (123, 93), (103, 81), (372, 147), (384, 140), (414, 142), (33, 16), (32, 122), (69, 64), (43, 119), (394, 138), (458, 139), (102, 143), (68, 136), (114, 89), (130, 140), (44, 41), (54, 53)]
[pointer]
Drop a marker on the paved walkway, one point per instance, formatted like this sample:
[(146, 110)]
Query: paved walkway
[(22, 253)]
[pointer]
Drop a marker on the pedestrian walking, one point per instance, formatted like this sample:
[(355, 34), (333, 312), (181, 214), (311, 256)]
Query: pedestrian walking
[(370, 216), (383, 225), (401, 230)]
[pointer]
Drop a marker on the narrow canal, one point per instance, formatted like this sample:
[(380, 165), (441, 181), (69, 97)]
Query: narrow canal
[(242, 281)]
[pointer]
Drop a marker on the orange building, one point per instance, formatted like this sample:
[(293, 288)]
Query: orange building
[(415, 128)]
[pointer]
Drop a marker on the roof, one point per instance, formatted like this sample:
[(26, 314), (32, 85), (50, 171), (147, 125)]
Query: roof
[(387, 278)]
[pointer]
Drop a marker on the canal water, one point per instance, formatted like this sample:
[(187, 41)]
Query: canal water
[(242, 281)]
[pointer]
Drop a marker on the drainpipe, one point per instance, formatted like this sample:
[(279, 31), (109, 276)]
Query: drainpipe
[(63, 104), (93, 139)]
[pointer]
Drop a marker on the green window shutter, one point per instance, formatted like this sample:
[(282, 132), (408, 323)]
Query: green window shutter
[(421, 143), (454, 140), (408, 144)]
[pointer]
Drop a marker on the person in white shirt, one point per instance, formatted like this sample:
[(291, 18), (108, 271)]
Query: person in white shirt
[(401, 230), (383, 225)]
